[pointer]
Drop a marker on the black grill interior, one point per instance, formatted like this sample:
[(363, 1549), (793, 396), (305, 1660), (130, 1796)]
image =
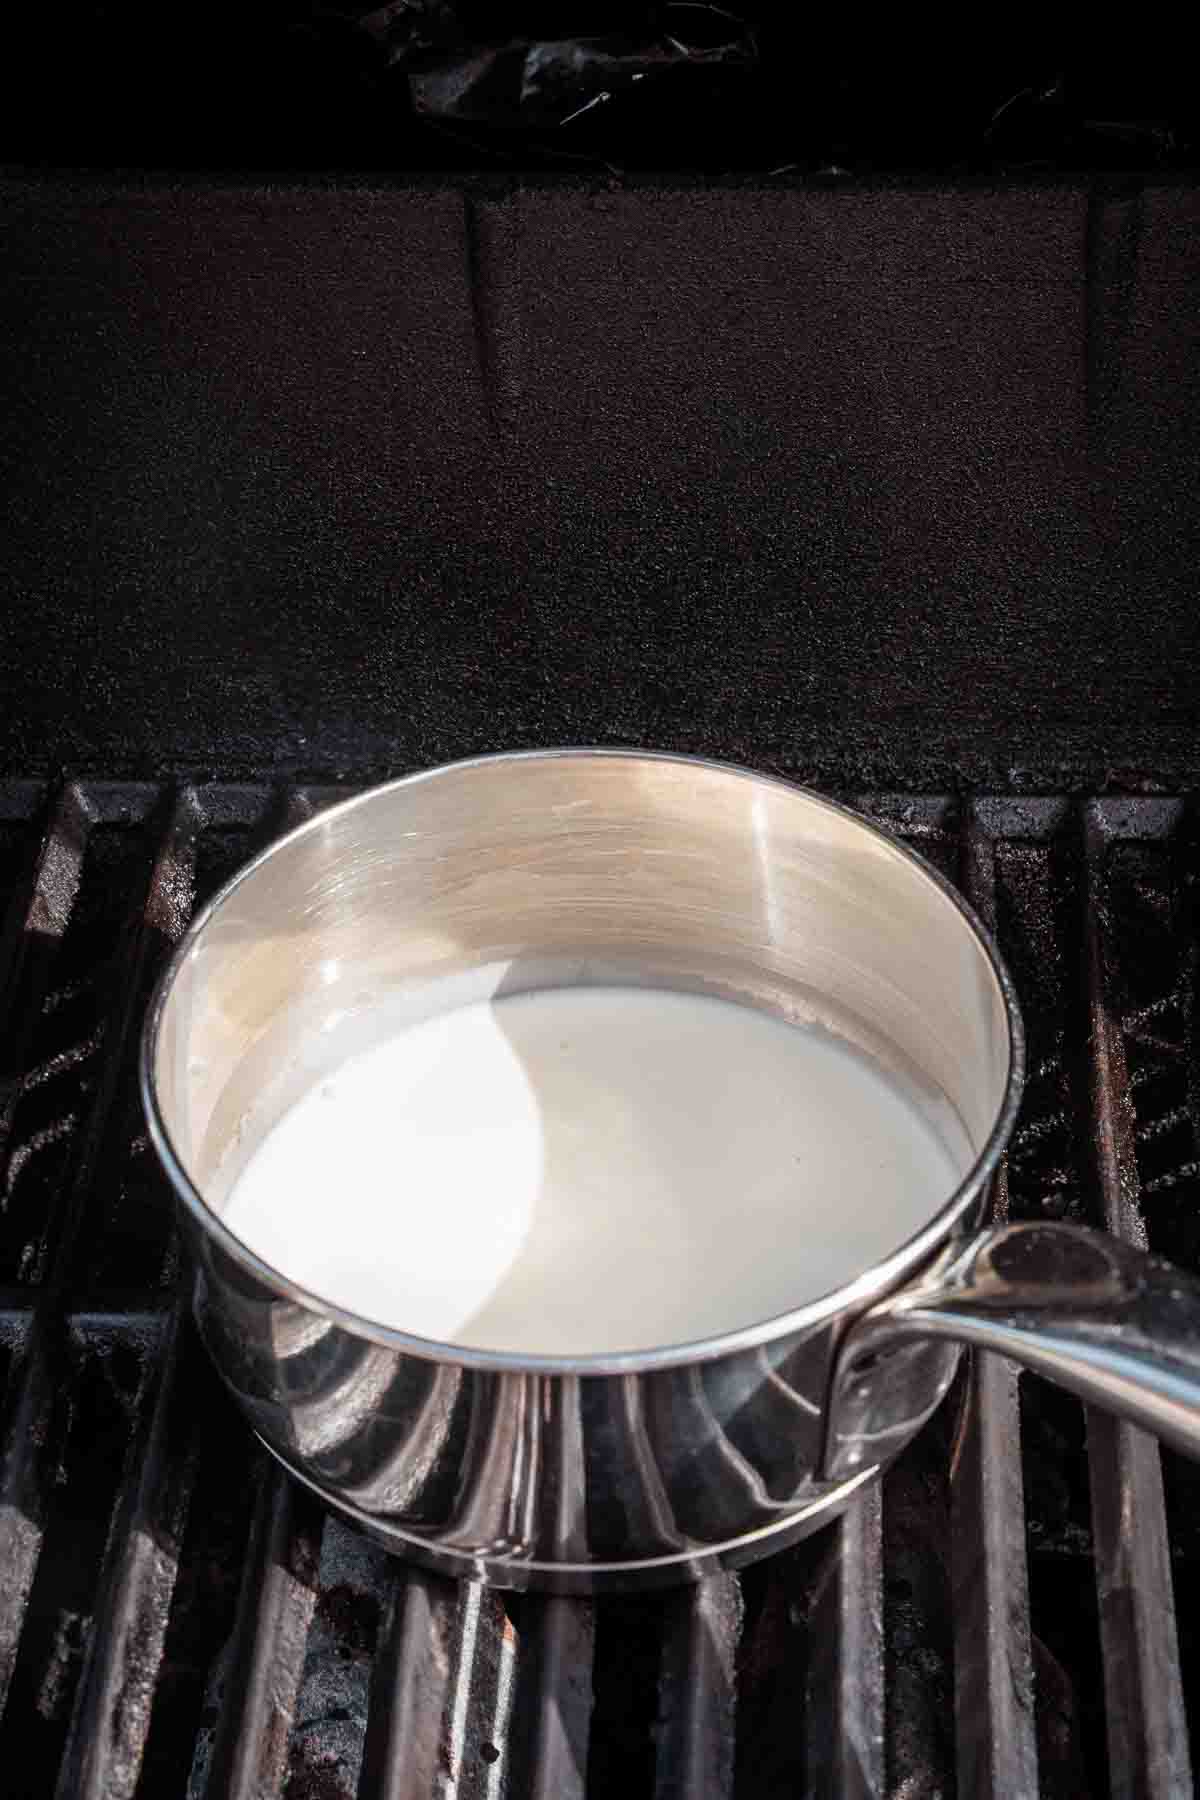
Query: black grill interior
[(880, 481), (885, 487)]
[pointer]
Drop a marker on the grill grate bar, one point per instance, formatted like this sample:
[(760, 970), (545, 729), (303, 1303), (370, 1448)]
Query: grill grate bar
[(404, 1757), (164, 914), (443, 1693), (1147, 1727), (36, 924), (697, 1691), (250, 1753), (845, 1697), (22, 1502), (54, 893), (116, 1689), (996, 1749), (564, 1632), (37, 920), (480, 1697)]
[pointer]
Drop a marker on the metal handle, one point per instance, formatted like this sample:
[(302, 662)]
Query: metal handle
[(1116, 1326)]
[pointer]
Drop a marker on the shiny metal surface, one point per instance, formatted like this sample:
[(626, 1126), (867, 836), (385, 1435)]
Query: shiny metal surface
[(1144, 1690), (517, 872), (994, 1706), (595, 866), (1114, 1325)]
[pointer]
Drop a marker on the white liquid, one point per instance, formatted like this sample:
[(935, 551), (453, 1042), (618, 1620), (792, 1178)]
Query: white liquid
[(590, 1169)]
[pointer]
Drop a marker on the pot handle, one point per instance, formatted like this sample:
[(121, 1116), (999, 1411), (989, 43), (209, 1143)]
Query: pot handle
[(1116, 1326)]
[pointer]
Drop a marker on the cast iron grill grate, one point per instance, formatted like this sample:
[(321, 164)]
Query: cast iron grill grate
[(1017, 1611)]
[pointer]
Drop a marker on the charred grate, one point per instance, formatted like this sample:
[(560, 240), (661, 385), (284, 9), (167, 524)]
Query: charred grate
[(1017, 1611)]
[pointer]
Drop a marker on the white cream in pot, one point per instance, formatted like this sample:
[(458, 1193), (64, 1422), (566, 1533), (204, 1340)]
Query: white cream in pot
[(590, 1169)]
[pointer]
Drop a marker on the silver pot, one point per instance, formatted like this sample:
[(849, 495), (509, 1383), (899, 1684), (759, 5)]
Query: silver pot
[(558, 867)]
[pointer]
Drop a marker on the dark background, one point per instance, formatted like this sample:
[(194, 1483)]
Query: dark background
[(300, 83), (863, 445)]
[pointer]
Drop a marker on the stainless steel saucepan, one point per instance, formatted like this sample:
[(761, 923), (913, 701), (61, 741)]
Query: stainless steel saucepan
[(617, 1470)]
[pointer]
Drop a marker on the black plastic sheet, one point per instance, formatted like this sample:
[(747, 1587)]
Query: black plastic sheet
[(688, 83), (555, 82), (406, 30), (620, 85), (647, 66)]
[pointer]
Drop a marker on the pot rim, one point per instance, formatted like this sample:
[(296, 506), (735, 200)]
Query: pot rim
[(851, 1297)]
